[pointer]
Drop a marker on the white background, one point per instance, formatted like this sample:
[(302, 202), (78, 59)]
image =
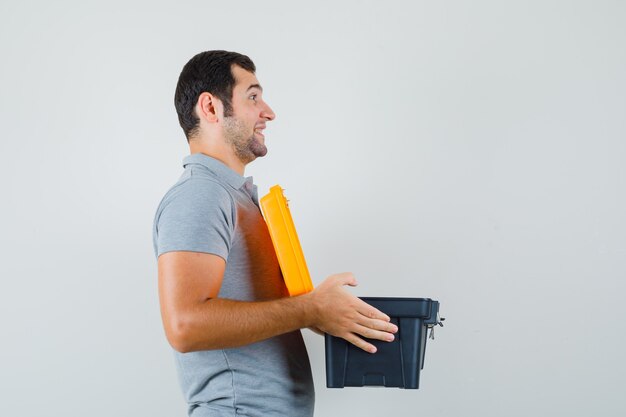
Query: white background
[(471, 152)]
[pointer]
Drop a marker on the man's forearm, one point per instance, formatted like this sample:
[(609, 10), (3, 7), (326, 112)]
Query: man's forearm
[(222, 323), (194, 319)]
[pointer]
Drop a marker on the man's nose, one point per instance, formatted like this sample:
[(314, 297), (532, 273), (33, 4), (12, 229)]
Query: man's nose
[(268, 113)]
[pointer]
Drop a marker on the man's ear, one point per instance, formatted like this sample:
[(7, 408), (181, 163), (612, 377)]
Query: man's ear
[(209, 107)]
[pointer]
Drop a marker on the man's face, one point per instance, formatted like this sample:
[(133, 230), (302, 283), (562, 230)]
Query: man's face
[(244, 129)]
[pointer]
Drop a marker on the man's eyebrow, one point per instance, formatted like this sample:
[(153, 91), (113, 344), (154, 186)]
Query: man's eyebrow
[(255, 86)]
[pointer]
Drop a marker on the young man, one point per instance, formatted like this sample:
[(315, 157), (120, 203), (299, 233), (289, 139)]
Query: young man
[(224, 305)]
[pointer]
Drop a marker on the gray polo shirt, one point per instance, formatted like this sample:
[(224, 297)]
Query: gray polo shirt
[(213, 209)]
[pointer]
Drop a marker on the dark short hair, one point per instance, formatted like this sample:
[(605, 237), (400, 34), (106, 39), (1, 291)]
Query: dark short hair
[(210, 72)]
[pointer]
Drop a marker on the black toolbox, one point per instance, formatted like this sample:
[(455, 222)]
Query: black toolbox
[(395, 364)]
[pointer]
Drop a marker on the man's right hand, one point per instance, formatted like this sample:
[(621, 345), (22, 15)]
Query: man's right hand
[(341, 314)]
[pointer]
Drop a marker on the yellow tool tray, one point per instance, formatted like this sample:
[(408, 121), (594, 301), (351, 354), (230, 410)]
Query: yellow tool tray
[(286, 243)]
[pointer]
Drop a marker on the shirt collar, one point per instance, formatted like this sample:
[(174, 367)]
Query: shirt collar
[(220, 170)]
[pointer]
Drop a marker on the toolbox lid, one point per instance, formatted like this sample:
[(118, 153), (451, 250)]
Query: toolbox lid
[(286, 243)]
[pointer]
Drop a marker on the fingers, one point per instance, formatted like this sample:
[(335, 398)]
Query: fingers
[(370, 333), (371, 312), (379, 325), (371, 329), (360, 343)]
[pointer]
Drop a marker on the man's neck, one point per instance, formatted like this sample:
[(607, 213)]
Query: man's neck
[(224, 155)]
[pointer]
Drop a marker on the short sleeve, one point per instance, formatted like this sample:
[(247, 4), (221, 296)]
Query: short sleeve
[(197, 216)]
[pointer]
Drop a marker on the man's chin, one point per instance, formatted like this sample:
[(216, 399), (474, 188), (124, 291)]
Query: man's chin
[(252, 153), (259, 153), (257, 148)]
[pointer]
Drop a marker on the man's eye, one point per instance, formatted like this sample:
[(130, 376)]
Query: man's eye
[(253, 97)]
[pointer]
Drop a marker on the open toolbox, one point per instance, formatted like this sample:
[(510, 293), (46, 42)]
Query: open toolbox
[(395, 364)]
